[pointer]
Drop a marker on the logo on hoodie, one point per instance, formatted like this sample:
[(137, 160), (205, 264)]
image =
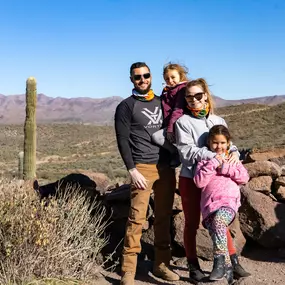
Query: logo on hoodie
[(155, 117)]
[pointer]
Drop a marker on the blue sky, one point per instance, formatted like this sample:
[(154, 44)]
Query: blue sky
[(85, 48)]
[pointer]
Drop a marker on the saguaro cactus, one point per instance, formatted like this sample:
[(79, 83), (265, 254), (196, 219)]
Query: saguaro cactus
[(29, 171), (20, 164)]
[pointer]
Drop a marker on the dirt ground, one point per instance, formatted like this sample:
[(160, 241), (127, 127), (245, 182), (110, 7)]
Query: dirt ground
[(266, 267)]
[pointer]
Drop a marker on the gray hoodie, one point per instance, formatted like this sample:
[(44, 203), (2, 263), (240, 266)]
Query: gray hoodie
[(191, 140)]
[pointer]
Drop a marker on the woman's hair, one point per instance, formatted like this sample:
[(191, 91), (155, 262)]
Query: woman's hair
[(219, 130), (182, 70), (202, 83)]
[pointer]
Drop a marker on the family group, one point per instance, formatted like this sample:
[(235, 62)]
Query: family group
[(156, 134)]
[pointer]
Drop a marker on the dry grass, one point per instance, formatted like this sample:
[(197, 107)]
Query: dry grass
[(48, 242), (65, 148), (256, 126)]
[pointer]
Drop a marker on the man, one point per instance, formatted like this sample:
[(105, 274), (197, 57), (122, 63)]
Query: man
[(136, 119)]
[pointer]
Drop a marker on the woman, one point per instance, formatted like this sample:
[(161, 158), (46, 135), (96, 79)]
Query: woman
[(191, 138)]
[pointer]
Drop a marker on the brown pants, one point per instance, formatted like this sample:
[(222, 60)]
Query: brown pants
[(162, 180)]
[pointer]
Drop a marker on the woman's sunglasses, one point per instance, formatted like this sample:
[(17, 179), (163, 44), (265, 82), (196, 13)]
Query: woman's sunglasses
[(197, 96), (138, 77)]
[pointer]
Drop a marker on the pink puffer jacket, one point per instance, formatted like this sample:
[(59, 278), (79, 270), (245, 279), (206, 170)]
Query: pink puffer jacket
[(219, 186)]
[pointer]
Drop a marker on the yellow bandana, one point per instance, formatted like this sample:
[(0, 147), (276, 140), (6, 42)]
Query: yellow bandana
[(199, 113), (144, 97)]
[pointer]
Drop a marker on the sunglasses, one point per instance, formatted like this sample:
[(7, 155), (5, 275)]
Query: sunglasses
[(197, 96), (138, 77)]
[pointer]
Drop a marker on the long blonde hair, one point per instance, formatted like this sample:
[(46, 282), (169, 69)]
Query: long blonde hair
[(202, 83)]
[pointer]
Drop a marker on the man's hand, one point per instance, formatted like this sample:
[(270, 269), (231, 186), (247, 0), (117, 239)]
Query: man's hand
[(170, 137), (234, 158), (138, 179)]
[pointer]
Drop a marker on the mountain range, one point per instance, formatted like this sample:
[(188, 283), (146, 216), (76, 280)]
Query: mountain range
[(89, 110)]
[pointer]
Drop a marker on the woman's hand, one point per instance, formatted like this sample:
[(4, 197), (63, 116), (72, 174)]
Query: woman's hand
[(233, 158)]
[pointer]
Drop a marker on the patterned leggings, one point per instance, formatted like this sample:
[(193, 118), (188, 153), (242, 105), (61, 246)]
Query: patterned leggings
[(217, 224)]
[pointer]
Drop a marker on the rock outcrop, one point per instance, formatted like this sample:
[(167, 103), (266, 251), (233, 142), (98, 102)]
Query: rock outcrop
[(262, 213), (261, 216)]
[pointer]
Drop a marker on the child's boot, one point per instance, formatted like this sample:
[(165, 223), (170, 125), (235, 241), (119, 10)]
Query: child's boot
[(195, 272), (229, 274), (238, 270), (218, 271)]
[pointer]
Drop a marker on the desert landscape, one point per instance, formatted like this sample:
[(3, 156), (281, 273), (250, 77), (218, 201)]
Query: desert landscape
[(66, 146), (78, 133), (64, 188)]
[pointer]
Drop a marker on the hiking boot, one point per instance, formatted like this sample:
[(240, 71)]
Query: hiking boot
[(218, 271), (238, 270), (195, 273), (162, 271), (229, 274), (128, 278)]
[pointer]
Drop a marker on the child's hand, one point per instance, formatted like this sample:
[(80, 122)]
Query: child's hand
[(170, 137), (221, 159)]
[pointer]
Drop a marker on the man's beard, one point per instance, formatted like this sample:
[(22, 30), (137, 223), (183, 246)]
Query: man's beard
[(143, 91)]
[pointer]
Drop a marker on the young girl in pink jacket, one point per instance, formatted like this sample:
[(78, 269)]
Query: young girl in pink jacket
[(220, 198)]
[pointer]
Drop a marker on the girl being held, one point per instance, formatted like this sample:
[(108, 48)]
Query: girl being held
[(220, 197), (173, 103)]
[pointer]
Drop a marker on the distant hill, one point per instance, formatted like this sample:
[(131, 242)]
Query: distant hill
[(267, 100), (59, 110), (89, 110)]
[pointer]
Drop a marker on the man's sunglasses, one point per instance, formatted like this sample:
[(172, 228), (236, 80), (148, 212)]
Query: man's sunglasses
[(197, 96), (138, 77)]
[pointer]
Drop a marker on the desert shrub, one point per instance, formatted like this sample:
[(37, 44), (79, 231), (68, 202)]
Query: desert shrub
[(120, 173), (45, 240)]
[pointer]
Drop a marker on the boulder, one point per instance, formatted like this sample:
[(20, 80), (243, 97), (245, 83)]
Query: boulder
[(61, 187), (283, 170), (102, 180), (268, 155), (262, 219), (237, 235), (147, 243), (177, 173), (278, 160), (263, 168), (280, 181), (115, 232), (178, 228), (280, 193), (120, 193), (119, 210), (245, 155), (177, 204), (203, 239), (261, 184), (280, 188)]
